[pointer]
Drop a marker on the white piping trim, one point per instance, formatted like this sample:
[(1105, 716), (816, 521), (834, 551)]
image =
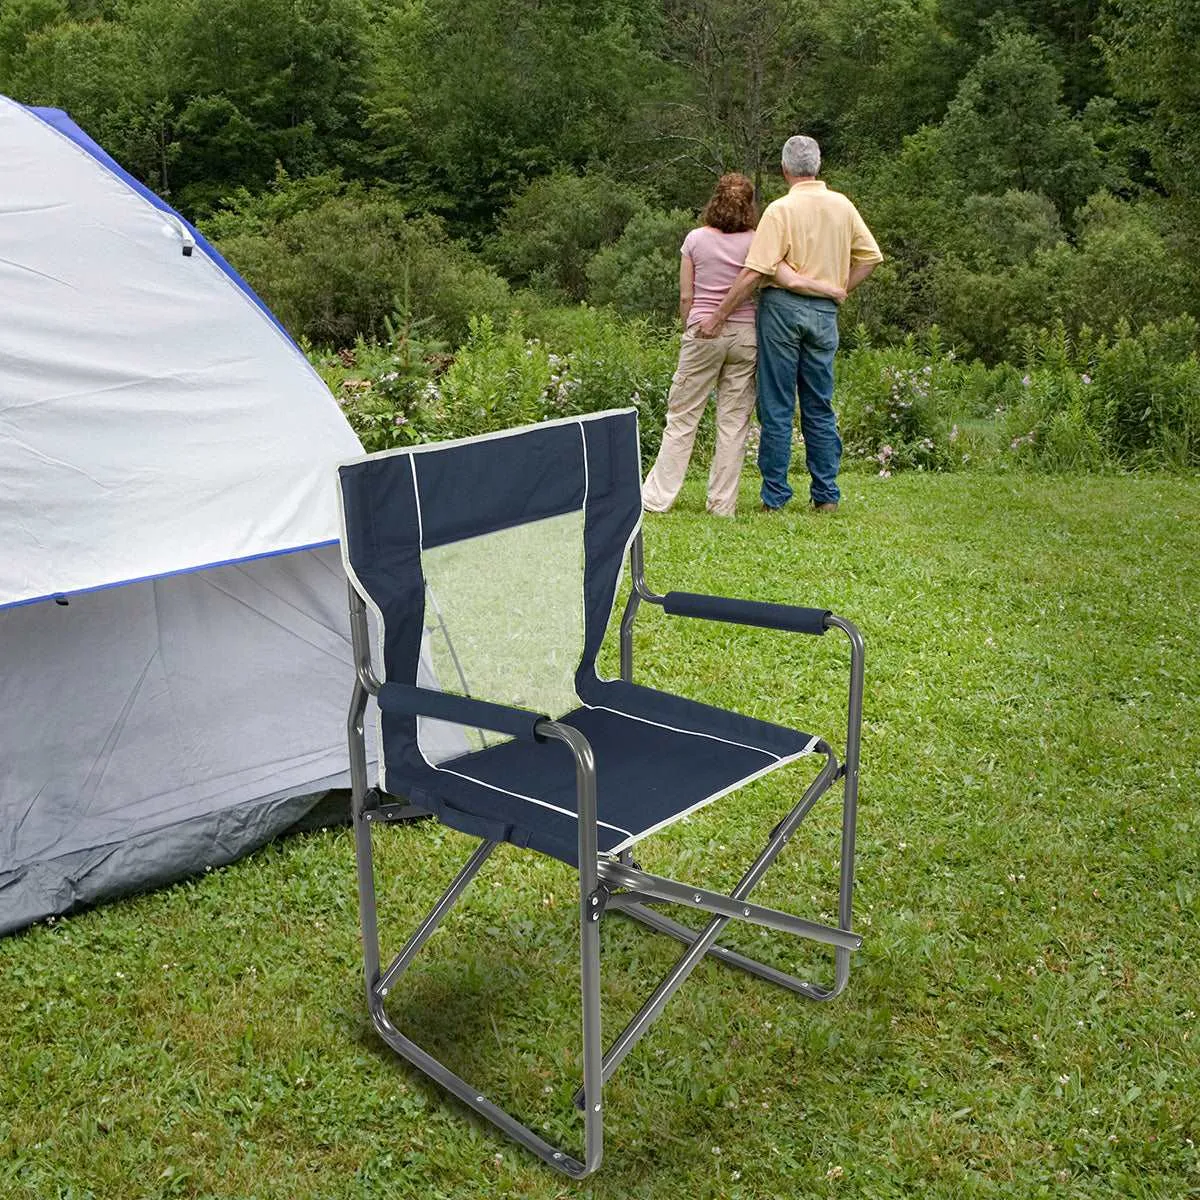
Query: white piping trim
[(412, 462), (637, 528), (586, 478), (733, 787), (583, 580), (675, 729), (487, 437), (566, 812)]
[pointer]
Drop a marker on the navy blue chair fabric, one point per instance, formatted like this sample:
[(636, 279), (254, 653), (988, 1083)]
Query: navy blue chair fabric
[(657, 756), (747, 612)]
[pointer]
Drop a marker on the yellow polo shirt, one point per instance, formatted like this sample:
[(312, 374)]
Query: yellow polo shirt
[(816, 231)]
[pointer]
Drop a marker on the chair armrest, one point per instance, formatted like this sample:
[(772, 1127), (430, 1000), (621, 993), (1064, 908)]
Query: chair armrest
[(409, 700), (747, 612)]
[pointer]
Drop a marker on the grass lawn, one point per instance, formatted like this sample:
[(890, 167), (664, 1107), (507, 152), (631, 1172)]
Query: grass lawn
[(1022, 1020)]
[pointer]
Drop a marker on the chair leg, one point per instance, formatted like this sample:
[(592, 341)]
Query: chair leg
[(380, 983), (703, 942)]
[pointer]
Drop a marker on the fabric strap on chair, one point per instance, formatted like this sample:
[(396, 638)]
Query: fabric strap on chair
[(409, 700), (746, 612)]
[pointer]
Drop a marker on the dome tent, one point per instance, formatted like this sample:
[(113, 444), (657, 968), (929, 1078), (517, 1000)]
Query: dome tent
[(174, 655)]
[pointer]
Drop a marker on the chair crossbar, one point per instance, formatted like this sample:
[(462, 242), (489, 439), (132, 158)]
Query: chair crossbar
[(669, 891), (436, 915), (625, 904), (678, 974)]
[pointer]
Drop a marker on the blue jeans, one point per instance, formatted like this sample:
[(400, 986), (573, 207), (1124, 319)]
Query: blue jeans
[(797, 339)]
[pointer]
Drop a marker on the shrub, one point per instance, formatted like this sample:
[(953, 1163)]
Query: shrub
[(1088, 402), (639, 273), (1148, 387), (552, 230), (1054, 427), (894, 406), (498, 379), (387, 388), (614, 362), (332, 270)]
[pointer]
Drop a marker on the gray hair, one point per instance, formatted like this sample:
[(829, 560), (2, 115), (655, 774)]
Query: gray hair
[(801, 155)]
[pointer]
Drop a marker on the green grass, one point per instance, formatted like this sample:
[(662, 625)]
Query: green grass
[(1022, 1020)]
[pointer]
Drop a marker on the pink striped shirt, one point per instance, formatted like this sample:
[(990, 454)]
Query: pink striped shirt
[(718, 258)]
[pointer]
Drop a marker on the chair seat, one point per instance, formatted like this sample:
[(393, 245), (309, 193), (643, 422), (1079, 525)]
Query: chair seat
[(658, 758)]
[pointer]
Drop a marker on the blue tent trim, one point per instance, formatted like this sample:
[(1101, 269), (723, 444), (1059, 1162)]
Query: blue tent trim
[(228, 562), (62, 123)]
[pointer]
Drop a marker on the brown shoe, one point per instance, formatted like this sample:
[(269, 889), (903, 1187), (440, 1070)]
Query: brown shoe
[(769, 508), (828, 507)]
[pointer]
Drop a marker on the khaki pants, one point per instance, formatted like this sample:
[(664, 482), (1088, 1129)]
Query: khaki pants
[(725, 362)]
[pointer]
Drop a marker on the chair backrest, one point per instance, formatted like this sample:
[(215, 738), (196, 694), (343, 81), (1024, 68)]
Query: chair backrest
[(492, 564)]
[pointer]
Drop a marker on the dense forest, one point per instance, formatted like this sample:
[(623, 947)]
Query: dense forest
[(1020, 163)]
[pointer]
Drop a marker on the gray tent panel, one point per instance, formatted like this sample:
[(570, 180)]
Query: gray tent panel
[(156, 728)]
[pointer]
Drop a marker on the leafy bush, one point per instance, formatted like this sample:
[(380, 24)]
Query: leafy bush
[(1082, 403), (614, 362), (1148, 387), (333, 261), (552, 230), (387, 388), (1054, 427), (403, 390), (639, 273), (498, 379), (894, 406), (1132, 400)]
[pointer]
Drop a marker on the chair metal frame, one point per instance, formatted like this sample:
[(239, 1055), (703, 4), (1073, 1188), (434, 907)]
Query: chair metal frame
[(615, 883)]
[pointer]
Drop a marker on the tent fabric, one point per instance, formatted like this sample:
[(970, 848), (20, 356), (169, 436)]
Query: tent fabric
[(59, 120), (521, 620), (113, 338), (167, 465), (160, 728)]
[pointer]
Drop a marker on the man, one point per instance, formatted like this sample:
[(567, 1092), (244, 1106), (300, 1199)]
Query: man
[(819, 233)]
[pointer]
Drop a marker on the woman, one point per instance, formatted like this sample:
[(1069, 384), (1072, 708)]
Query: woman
[(711, 258)]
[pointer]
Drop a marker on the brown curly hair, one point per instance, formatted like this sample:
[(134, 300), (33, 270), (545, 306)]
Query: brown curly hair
[(732, 208)]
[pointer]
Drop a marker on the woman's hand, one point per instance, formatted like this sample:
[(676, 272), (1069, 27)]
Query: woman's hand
[(806, 285)]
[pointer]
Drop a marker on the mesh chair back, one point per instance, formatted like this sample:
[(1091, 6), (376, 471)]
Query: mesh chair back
[(492, 565)]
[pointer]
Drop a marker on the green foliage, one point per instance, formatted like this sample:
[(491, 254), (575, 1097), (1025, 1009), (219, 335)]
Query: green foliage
[(551, 363), (639, 273), (333, 261), (1152, 49), (894, 406), (387, 389), (552, 230), (499, 379), (471, 99), (883, 70), (1007, 128), (1090, 402), (198, 97), (336, 147)]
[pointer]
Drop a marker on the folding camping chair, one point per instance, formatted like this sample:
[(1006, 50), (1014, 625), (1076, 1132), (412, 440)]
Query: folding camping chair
[(492, 565)]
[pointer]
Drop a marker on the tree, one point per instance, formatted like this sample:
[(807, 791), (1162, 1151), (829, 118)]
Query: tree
[(1152, 48), (470, 100), (335, 262), (739, 66), (1008, 128), (555, 226)]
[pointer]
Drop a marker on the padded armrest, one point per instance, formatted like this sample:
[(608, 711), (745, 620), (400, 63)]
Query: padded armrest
[(747, 612), (415, 701)]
